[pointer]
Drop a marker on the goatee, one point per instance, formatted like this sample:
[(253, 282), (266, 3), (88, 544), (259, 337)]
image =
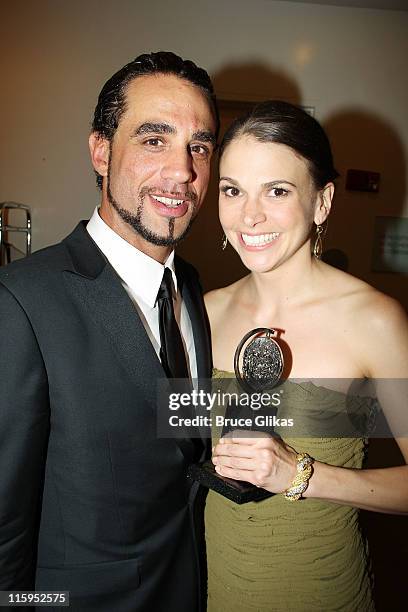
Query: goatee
[(135, 220)]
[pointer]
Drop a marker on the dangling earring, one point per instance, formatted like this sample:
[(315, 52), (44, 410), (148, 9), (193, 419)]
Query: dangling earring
[(318, 244), (224, 242)]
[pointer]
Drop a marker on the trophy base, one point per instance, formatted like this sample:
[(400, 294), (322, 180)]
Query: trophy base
[(237, 491)]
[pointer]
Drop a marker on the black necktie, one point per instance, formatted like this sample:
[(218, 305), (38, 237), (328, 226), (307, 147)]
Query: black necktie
[(172, 353)]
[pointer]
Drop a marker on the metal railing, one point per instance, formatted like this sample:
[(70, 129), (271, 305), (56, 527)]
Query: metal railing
[(6, 229)]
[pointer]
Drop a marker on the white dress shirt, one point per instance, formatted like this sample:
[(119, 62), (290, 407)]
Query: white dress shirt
[(141, 277)]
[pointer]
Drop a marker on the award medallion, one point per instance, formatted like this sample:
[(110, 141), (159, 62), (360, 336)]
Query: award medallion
[(258, 365), (258, 360)]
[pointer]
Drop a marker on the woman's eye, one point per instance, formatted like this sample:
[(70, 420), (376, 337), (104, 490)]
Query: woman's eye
[(278, 192), (230, 192)]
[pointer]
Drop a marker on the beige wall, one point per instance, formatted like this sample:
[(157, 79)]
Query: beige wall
[(350, 64)]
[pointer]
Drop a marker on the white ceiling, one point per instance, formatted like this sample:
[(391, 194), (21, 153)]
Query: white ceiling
[(392, 5)]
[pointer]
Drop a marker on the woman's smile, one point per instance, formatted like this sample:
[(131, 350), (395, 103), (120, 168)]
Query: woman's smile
[(256, 242)]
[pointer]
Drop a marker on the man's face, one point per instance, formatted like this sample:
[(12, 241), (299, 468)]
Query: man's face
[(158, 163)]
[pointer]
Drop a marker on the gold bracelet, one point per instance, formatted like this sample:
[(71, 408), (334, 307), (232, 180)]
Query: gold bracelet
[(301, 480)]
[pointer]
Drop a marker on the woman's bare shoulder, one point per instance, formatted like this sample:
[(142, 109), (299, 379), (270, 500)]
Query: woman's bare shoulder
[(374, 320), (367, 302), (383, 327), (360, 298), (382, 313)]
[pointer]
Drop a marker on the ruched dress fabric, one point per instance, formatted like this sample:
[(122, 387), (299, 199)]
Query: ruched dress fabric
[(281, 556)]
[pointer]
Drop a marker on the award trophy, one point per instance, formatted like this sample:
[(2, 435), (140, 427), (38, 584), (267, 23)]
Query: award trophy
[(258, 365)]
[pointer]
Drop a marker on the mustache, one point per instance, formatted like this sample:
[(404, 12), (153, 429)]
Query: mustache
[(185, 195)]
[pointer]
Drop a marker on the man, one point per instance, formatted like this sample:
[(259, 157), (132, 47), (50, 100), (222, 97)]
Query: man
[(91, 500)]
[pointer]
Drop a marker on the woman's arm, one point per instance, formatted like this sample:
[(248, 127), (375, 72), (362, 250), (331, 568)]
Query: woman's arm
[(271, 464), (380, 490)]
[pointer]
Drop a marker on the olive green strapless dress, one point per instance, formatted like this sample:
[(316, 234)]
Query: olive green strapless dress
[(280, 556)]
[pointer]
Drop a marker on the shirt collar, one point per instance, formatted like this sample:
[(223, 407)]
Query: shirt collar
[(141, 273)]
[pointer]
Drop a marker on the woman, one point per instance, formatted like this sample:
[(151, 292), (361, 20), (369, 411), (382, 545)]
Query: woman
[(276, 190)]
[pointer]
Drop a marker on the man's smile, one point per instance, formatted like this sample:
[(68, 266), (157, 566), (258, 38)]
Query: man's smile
[(170, 202), (168, 206)]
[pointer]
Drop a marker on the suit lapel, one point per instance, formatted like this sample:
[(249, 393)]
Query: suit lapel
[(107, 301), (193, 300), (192, 296), (93, 279)]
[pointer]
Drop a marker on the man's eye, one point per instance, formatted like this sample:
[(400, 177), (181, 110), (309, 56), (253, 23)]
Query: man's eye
[(278, 192), (229, 191), (153, 142), (199, 149)]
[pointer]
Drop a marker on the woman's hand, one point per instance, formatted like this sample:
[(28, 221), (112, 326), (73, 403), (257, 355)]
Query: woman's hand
[(256, 457)]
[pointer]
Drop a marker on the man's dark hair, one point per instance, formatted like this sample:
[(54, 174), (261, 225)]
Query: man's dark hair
[(285, 123), (112, 99)]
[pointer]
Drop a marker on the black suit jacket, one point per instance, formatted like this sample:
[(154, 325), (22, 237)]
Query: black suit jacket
[(91, 500)]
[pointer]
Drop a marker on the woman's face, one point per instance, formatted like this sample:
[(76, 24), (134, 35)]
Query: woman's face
[(268, 202)]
